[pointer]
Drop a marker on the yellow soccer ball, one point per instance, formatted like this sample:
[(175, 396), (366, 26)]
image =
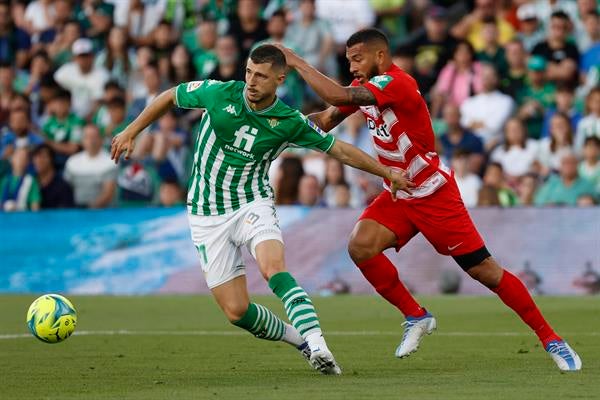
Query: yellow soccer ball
[(51, 318)]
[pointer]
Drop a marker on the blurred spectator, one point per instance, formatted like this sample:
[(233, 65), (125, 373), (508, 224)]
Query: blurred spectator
[(162, 45), (517, 153), (565, 103), (308, 191), (137, 183), (136, 88), (63, 128), (170, 194), (431, 48), (14, 41), (95, 18), (19, 189), (202, 48), (456, 137), (152, 86), (55, 191), (82, 79), (589, 168), (537, 95), (460, 78), (19, 134), (7, 91), (590, 37), (287, 181), (553, 147), (513, 81), (39, 17), (590, 124), (475, 111), (117, 58), (313, 38), (336, 187), (565, 188), (392, 17), (531, 31), (468, 183), (181, 68), (91, 173), (60, 50), (118, 120), (248, 28), (471, 26), (545, 9), (589, 280), (344, 18), (526, 189), (492, 52), (41, 66), (488, 197), (166, 147), (102, 117), (144, 17), (586, 200), (229, 66), (562, 57), (494, 178), (531, 279)]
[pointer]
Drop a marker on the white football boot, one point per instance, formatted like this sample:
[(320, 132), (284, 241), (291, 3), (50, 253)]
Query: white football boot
[(564, 356), (414, 331)]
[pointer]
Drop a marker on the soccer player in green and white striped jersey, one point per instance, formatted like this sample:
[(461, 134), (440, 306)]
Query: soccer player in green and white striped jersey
[(230, 201)]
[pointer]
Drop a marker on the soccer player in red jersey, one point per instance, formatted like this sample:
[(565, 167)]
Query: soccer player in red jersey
[(403, 138)]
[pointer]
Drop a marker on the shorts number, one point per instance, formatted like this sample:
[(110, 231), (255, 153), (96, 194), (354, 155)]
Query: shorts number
[(202, 251)]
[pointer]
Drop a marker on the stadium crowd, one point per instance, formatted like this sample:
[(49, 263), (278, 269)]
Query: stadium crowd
[(513, 89)]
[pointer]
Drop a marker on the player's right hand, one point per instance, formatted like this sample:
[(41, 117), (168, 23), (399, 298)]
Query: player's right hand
[(399, 181), (123, 142)]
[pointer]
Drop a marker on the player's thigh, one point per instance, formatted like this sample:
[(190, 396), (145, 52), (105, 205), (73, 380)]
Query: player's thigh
[(382, 225), (232, 297), (220, 258), (445, 222), (257, 226)]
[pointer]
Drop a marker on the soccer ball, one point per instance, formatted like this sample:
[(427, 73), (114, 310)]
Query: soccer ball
[(51, 318)]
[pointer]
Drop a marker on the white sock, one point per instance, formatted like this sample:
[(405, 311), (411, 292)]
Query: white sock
[(316, 342), (292, 336)]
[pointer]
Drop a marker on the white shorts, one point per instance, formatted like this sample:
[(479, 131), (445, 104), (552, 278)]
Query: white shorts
[(219, 238)]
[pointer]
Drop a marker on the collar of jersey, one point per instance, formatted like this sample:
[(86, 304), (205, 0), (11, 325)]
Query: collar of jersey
[(249, 109)]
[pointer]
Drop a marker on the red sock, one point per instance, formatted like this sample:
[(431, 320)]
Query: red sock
[(515, 295), (383, 275)]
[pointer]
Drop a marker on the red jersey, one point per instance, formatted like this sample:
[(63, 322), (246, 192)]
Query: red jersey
[(401, 131)]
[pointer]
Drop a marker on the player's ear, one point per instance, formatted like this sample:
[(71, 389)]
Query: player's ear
[(280, 77)]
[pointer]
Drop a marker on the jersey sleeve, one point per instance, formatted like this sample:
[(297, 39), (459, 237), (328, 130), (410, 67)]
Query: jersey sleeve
[(386, 89), (196, 94), (309, 135)]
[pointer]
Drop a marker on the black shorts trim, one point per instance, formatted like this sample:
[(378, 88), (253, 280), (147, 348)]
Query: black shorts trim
[(469, 260)]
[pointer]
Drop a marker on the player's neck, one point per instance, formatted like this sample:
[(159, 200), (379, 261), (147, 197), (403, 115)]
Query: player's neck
[(261, 105)]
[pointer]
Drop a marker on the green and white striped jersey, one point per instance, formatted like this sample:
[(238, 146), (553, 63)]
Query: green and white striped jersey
[(235, 145)]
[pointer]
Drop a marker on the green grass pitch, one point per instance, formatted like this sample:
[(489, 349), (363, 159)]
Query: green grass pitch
[(181, 347)]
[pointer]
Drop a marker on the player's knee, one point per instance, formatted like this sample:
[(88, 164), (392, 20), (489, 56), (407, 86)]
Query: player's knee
[(235, 311), (488, 272), (361, 248), (271, 267)]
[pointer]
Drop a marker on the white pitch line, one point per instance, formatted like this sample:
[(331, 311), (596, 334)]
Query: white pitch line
[(124, 332)]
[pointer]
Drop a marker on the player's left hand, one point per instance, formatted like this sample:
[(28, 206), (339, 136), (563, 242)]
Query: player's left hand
[(291, 58), (399, 181)]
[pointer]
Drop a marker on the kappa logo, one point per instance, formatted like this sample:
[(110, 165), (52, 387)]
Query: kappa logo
[(193, 85), (230, 109)]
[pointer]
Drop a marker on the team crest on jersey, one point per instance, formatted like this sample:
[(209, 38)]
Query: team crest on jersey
[(193, 85), (273, 122), (380, 81)]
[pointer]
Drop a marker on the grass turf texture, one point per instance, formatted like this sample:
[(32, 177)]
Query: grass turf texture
[(459, 361)]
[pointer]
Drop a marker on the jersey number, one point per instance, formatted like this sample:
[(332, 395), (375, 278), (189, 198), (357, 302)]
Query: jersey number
[(245, 137)]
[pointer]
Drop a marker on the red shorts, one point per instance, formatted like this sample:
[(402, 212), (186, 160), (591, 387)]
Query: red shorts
[(441, 217)]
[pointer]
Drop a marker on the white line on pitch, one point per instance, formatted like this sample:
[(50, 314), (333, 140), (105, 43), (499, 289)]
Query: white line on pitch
[(124, 332)]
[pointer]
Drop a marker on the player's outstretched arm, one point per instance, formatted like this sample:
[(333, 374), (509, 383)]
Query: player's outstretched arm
[(328, 119), (125, 141), (328, 89), (357, 158)]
